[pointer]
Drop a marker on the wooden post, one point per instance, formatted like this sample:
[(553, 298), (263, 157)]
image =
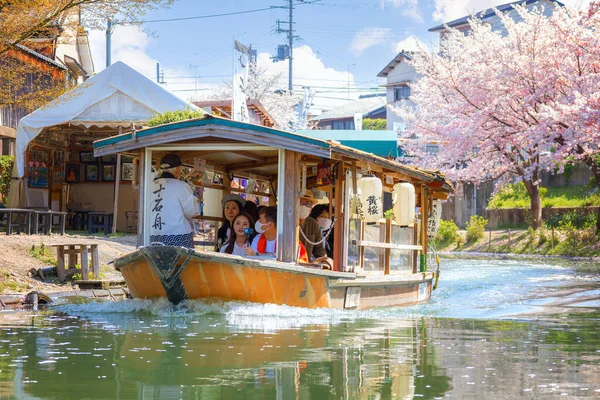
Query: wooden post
[(509, 241), (84, 263), (95, 261), (142, 197), (490, 241), (361, 249), (116, 199), (288, 242), (387, 251), (60, 266), (424, 218), (72, 257), (553, 238), (415, 242), (339, 229)]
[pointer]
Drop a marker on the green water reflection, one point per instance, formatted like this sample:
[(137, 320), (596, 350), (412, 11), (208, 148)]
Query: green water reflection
[(50, 355)]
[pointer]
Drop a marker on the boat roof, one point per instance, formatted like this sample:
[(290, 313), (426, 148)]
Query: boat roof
[(210, 126)]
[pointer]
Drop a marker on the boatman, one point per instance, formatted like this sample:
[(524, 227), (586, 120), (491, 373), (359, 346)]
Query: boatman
[(173, 205)]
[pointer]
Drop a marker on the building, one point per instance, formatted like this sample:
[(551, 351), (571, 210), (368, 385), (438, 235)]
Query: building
[(343, 117), (60, 53), (399, 74), (489, 16)]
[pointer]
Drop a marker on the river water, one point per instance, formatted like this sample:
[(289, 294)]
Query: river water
[(493, 330)]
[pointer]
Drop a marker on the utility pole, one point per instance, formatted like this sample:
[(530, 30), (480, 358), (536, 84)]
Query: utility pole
[(290, 43), (288, 53), (109, 31)]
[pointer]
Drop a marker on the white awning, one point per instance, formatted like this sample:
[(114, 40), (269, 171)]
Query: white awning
[(117, 96)]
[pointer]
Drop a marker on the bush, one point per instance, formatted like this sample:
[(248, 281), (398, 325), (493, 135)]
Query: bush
[(370, 124), (572, 220), (174, 116), (447, 234), (476, 228), (6, 166)]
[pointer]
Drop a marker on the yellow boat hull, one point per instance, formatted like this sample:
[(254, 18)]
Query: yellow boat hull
[(179, 274)]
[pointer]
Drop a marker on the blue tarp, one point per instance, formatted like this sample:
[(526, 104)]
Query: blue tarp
[(381, 143)]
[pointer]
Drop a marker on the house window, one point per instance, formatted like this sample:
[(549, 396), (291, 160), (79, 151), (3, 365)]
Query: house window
[(347, 125), (432, 148), (401, 93)]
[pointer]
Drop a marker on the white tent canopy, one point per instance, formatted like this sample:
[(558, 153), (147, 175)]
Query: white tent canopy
[(117, 96)]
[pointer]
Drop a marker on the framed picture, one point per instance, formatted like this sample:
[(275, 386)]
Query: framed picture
[(108, 172), (91, 173), (111, 158), (127, 172), (87, 157), (72, 173)]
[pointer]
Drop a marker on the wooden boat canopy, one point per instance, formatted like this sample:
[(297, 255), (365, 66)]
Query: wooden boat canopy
[(206, 129)]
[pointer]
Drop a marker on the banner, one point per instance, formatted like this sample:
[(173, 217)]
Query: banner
[(358, 117), (240, 80)]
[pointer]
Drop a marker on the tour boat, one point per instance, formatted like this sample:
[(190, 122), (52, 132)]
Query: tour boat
[(378, 260)]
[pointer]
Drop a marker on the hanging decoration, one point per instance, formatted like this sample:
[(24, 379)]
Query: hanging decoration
[(433, 222), (371, 189), (404, 203)]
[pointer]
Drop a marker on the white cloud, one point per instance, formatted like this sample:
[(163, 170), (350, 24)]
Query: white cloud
[(409, 8), (368, 37), (411, 43), (309, 70), (129, 44)]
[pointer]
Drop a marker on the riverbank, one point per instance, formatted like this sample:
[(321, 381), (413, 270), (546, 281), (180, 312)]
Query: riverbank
[(522, 243), (20, 255)]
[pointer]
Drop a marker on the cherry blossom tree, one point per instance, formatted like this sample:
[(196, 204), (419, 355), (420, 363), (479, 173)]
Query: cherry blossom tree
[(507, 104)]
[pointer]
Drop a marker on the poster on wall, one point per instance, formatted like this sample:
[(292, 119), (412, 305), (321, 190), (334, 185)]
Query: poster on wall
[(72, 173), (91, 173)]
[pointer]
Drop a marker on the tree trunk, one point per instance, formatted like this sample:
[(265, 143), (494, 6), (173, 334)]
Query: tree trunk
[(536, 203), (595, 168)]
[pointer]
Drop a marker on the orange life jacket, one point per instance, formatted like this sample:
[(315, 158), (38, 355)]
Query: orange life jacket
[(262, 245)]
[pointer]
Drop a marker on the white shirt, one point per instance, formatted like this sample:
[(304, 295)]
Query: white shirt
[(237, 250), (172, 205), (270, 244)]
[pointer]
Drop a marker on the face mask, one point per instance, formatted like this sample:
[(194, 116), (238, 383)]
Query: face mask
[(304, 212), (324, 223), (258, 227)]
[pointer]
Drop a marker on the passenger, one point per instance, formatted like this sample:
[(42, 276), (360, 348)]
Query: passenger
[(241, 239), (310, 232), (173, 206), (232, 205), (265, 243), (320, 213), (251, 209)]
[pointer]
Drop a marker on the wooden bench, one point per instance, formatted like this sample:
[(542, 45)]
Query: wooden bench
[(72, 251), (100, 220), (11, 224), (46, 217)]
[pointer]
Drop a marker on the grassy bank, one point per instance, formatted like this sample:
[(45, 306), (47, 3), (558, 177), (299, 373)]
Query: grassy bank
[(549, 242)]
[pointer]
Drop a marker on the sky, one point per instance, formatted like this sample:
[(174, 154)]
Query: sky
[(341, 46)]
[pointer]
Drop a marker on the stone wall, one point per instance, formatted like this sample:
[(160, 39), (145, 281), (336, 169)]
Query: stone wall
[(518, 216)]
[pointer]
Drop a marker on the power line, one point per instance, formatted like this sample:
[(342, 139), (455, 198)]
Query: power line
[(207, 16)]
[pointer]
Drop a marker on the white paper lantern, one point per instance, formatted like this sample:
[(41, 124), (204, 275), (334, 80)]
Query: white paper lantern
[(433, 222), (404, 203), (371, 189)]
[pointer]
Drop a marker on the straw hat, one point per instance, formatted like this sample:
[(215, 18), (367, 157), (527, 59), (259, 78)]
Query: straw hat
[(308, 195)]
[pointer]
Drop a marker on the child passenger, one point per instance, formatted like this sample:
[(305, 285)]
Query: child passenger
[(265, 243), (239, 241)]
